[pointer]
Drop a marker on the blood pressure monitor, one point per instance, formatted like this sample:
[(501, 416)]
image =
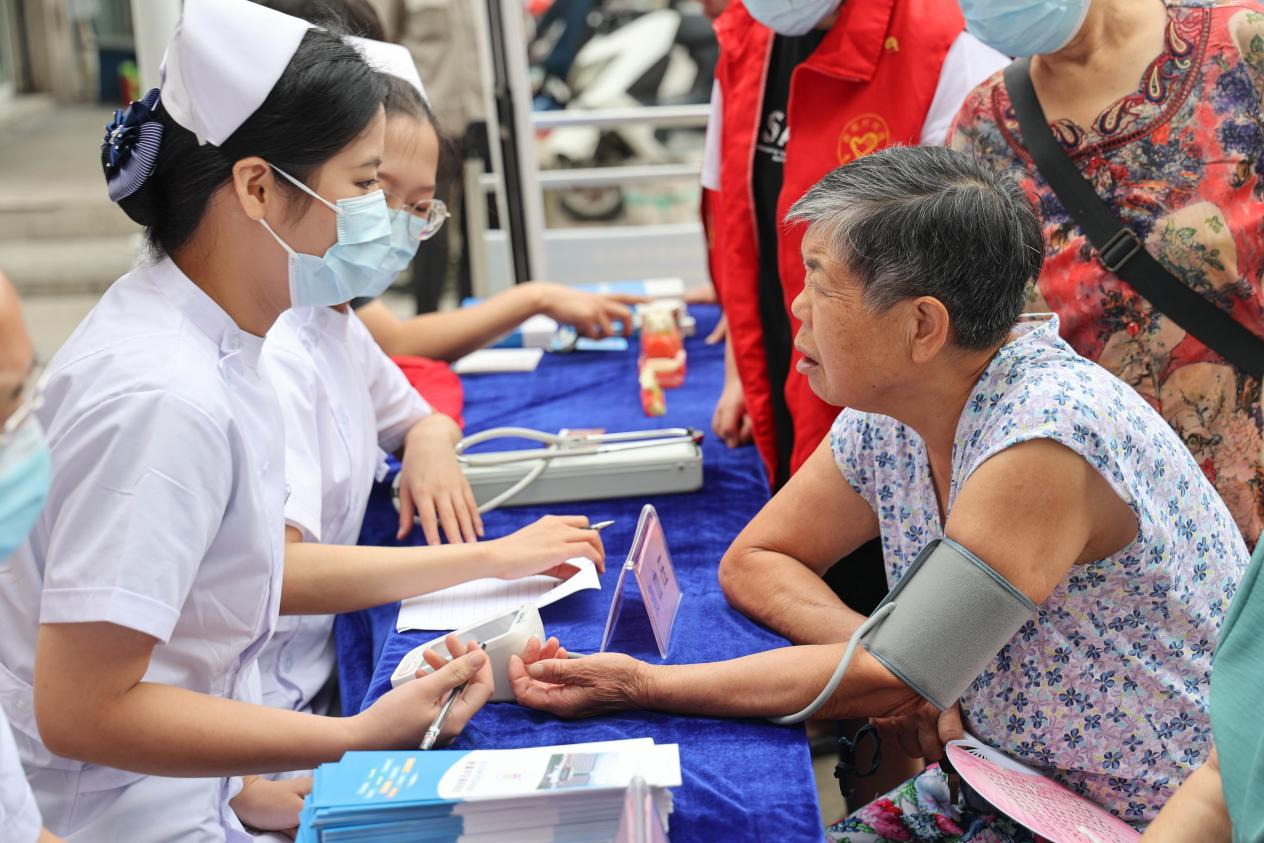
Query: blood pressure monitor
[(502, 636)]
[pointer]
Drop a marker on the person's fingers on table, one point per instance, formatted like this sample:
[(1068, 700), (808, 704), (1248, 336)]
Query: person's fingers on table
[(406, 512), (472, 506), (462, 509), (447, 517), (429, 520)]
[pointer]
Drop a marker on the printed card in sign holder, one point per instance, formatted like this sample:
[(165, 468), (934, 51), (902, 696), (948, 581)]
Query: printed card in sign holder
[(651, 564)]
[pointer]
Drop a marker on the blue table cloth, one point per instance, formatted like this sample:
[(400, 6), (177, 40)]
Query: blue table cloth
[(742, 779)]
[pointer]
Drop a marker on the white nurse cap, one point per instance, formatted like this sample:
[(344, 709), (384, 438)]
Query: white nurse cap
[(392, 59), (223, 61)]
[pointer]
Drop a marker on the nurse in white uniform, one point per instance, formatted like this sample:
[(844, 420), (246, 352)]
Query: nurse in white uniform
[(345, 402), (135, 612), (24, 478)]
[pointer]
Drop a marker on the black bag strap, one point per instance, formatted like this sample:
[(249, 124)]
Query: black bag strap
[(1118, 247)]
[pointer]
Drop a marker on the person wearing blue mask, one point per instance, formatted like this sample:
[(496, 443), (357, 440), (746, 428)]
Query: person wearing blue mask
[(25, 472), (344, 402), (137, 608), (1156, 104)]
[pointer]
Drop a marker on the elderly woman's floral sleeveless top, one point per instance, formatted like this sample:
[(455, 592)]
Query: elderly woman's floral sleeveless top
[(1107, 688), (1181, 161)]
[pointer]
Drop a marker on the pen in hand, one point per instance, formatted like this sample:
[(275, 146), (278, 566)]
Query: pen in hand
[(432, 734), (599, 526)]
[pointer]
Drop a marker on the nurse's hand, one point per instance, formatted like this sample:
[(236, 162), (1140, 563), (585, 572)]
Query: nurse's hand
[(590, 314), (544, 548), (400, 718), (267, 805), (433, 487), (582, 687)]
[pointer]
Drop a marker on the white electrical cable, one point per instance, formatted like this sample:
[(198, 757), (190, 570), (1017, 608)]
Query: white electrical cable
[(832, 685)]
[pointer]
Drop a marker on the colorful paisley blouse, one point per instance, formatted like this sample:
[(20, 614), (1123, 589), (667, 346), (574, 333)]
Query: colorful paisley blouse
[(1106, 689), (1182, 162)]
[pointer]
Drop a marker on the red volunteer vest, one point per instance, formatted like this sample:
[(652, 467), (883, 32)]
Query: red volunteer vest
[(868, 85)]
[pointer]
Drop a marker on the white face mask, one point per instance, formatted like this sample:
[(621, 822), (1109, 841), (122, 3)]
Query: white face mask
[(791, 17)]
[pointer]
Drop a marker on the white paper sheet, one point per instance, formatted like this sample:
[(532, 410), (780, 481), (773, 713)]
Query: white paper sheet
[(471, 602), (491, 360)]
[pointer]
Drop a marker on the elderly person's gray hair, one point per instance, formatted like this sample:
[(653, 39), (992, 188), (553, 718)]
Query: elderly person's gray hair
[(912, 221)]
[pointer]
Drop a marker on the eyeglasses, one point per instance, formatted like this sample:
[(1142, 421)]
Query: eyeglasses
[(425, 217), (30, 400)]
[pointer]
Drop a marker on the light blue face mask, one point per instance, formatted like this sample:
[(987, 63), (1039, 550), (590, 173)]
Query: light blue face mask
[(26, 470), (352, 267), (403, 249), (791, 17), (1024, 27)]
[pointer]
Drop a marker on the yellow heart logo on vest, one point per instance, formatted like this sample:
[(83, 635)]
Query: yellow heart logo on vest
[(862, 135)]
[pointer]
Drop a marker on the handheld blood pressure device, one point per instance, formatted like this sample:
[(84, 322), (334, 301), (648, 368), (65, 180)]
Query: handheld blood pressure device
[(579, 466), (938, 629), (502, 636)]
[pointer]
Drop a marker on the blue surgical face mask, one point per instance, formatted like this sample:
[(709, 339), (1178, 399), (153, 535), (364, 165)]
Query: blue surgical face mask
[(352, 266), (25, 475), (1024, 27), (791, 17), (403, 248)]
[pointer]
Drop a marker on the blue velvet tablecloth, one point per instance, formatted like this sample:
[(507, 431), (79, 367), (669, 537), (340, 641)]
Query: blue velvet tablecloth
[(743, 779)]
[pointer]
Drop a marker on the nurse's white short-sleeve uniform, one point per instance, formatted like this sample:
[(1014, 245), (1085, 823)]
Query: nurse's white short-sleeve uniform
[(344, 402), (19, 814), (164, 516)]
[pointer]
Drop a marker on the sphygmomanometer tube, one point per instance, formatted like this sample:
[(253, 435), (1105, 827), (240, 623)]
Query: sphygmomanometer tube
[(832, 685)]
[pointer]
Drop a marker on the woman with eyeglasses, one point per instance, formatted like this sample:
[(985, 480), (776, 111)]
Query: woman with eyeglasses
[(344, 402)]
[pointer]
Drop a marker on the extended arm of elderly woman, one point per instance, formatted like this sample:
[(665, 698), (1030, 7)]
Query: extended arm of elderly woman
[(1031, 512), (773, 570)]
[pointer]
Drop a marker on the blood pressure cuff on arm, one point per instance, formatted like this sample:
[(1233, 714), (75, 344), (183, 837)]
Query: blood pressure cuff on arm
[(953, 615)]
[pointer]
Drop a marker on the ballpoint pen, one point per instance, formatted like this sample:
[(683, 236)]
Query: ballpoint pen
[(599, 526), (432, 734)]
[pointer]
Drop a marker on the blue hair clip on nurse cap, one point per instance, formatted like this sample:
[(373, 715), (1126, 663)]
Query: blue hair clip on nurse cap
[(130, 148)]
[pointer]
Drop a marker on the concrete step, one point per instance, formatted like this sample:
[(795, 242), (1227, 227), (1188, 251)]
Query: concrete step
[(67, 266), (51, 184), (87, 213)]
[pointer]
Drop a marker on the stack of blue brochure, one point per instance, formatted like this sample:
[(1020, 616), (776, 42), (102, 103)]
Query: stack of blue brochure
[(559, 794)]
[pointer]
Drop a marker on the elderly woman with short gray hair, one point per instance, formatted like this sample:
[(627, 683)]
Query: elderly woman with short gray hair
[(965, 422)]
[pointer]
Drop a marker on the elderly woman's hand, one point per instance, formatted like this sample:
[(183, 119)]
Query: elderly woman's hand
[(922, 731), (579, 687)]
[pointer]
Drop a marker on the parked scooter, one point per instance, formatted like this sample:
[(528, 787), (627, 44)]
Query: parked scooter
[(628, 55)]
